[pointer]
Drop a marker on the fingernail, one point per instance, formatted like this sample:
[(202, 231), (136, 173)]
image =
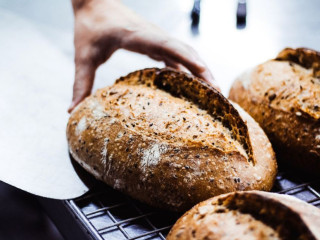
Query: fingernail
[(71, 107)]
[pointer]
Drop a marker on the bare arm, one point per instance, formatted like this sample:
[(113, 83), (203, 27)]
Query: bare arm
[(103, 26)]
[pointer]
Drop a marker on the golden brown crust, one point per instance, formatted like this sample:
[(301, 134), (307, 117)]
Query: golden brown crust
[(283, 96), (249, 215), (199, 92), (156, 144), (305, 57)]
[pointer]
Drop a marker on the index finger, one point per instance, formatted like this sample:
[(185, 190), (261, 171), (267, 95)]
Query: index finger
[(185, 55)]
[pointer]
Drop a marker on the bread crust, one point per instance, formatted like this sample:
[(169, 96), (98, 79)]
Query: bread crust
[(305, 57), (256, 214), (283, 96), (128, 136)]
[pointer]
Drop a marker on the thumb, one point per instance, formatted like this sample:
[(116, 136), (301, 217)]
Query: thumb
[(84, 77)]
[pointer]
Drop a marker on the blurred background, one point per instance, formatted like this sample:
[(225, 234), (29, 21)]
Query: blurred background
[(36, 45)]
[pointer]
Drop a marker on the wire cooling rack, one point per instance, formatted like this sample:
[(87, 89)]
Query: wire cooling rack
[(108, 214)]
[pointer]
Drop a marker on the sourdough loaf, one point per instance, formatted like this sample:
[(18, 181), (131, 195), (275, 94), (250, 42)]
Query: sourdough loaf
[(283, 96), (251, 215), (170, 140)]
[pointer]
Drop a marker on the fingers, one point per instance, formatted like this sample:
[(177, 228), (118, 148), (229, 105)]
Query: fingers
[(88, 59), (179, 52), (208, 75), (84, 77), (175, 65), (203, 75), (188, 59), (182, 60), (174, 53)]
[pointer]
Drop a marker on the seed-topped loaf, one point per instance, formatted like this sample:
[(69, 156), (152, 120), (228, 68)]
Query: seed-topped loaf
[(251, 215), (283, 96), (170, 140)]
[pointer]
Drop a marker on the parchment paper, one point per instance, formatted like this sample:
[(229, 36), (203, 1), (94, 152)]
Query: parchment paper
[(35, 90)]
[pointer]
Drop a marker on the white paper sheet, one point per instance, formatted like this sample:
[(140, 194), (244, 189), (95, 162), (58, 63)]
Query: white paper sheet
[(35, 90)]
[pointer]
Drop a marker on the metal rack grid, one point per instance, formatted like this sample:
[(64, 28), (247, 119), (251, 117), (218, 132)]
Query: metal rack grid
[(109, 214)]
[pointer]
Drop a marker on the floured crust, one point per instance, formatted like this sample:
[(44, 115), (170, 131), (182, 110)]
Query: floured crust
[(249, 215), (152, 141), (283, 96)]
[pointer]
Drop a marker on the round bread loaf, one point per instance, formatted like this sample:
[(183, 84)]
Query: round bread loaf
[(250, 215), (283, 96), (170, 140)]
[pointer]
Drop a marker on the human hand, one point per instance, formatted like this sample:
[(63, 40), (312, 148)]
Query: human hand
[(103, 26)]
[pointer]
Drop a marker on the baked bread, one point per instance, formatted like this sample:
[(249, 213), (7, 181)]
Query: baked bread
[(170, 140), (283, 96), (251, 215)]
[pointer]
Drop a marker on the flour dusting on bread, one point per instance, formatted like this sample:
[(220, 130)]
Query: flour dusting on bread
[(246, 79), (104, 151), (152, 155), (82, 125), (97, 109)]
